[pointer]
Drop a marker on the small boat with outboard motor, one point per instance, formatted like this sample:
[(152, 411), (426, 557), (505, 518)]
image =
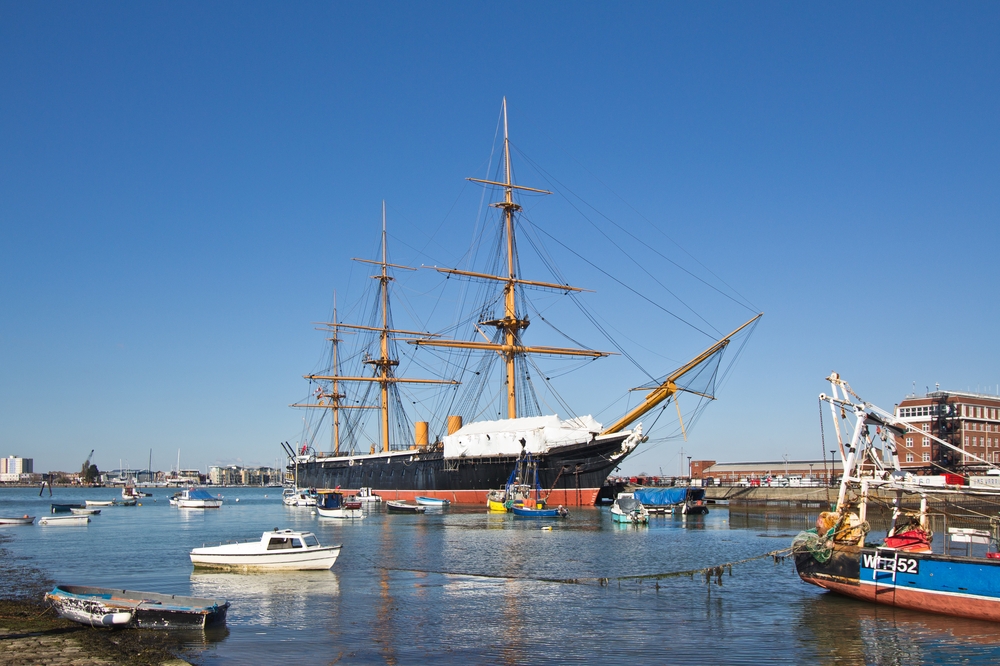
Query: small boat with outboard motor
[(23, 520), (64, 520), (278, 550), (106, 607)]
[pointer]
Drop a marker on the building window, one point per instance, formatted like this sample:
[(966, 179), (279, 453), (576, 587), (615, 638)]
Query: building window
[(927, 457), (909, 442), (926, 442), (909, 457), (966, 441)]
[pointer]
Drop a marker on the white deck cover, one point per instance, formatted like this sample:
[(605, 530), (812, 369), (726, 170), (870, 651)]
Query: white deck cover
[(540, 433)]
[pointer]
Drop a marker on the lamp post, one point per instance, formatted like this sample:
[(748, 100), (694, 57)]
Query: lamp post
[(690, 473)]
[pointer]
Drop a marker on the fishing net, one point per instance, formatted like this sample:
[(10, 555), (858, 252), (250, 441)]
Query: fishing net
[(820, 547)]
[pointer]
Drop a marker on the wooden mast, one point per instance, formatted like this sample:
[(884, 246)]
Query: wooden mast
[(383, 364), (511, 324)]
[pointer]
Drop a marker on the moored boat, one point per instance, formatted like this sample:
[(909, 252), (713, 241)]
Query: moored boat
[(23, 520), (87, 511), (64, 520), (627, 509), (432, 501), (279, 550), (574, 455), (106, 607), (396, 506), (684, 500), (196, 498), (100, 502), (366, 496), (333, 504), (298, 497), (536, 512), (902, 570), (64, 508)]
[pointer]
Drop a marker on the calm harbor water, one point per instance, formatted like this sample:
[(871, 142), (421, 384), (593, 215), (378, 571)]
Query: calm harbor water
[(460, 586)]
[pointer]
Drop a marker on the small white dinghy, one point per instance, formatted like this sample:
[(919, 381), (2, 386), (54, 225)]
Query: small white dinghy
[(285, 550), (85, 512), (71, 519), (100, 502), (23, 520)]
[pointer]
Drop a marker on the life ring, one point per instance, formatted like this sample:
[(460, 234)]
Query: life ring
[(351, 462)]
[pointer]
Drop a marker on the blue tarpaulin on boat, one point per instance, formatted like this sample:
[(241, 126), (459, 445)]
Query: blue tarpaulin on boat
[(667, 496), (199, 494)]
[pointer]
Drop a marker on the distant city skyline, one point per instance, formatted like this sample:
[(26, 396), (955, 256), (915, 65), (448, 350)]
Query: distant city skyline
[(183, 187)]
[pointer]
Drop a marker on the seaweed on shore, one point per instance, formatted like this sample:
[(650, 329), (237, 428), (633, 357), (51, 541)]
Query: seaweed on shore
[(23, 612)]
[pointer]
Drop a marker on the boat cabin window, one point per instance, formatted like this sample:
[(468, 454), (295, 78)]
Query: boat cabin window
[(281, 543), (310, 540)]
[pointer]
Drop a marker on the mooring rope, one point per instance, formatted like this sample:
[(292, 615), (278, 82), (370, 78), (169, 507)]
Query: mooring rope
[(709, 572)]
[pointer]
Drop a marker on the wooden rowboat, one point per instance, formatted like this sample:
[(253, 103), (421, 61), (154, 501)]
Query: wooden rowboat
[(105, 607), (396, 506)]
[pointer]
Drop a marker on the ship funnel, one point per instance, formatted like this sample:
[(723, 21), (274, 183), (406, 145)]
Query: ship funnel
[(420, 433), (454, 424)]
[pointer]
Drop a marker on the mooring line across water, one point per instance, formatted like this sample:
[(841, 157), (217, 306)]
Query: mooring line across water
[(712, 572)]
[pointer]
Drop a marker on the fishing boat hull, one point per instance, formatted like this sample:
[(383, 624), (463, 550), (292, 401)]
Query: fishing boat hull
[(69, 520), (99, 606), (571, 475), (960, 586)]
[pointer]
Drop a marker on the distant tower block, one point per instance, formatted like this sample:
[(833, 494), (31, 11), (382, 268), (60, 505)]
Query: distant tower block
[(454, 424), (421, 433)]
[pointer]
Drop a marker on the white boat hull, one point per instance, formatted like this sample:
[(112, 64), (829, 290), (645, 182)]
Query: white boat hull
[(342, 514), (303, 560), (64, 520), (199, 504)]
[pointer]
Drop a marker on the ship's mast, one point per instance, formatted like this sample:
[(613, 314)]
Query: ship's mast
[(511, 324), (383, 365)]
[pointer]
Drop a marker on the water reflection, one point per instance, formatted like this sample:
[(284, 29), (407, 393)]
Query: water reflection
[(843, 630), (287, 599)]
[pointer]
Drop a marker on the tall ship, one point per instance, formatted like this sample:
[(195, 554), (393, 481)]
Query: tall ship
[(398, 459)]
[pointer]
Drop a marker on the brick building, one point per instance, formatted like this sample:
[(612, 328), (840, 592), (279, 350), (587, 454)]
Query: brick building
[(968, 421)]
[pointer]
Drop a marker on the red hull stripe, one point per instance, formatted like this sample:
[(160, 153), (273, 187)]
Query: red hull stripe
[(931, 601), (571, 497)]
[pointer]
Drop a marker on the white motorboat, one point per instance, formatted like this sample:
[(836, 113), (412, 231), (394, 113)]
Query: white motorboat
[(298, 497), (195, 498), (335, 505), (85, 512), (64, 520), (432, 501), (367, 496), (100, 502), (284, 550), (627, 509)]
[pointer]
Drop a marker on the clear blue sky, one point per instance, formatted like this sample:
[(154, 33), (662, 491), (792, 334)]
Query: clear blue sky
[(182, 186)]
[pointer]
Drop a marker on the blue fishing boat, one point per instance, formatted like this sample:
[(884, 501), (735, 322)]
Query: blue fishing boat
[(105, 607), (902, 570)]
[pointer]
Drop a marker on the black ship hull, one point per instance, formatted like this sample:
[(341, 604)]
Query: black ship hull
[(569, 475)]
